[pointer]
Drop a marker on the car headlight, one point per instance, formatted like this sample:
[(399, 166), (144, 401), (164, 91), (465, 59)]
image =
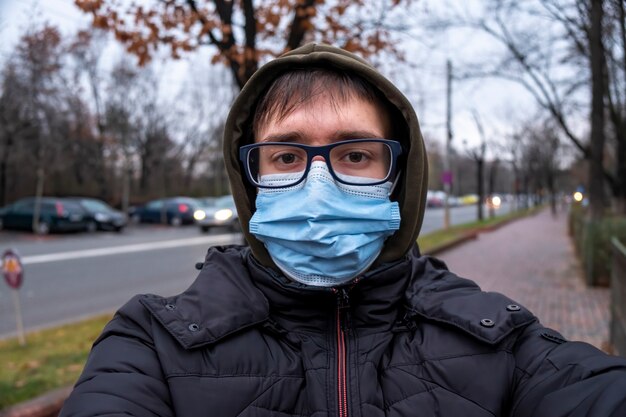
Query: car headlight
[(101, 217), (199, 214), (223, 214)]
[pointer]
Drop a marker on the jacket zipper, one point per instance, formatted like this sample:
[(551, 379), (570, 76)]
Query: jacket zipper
[(342, 373)]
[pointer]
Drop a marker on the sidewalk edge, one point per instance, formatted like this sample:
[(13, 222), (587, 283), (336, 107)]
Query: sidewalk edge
[(46, 405)]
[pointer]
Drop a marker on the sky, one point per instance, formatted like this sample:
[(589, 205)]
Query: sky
[(500, 105)]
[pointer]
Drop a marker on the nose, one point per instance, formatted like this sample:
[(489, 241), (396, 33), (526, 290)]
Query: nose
[(318, 158)]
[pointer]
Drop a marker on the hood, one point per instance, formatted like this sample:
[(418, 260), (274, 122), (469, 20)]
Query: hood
[(412, 187)]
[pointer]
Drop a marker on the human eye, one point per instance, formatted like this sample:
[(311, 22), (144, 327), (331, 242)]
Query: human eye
[(353, 156), (363, 159), (284, 159)]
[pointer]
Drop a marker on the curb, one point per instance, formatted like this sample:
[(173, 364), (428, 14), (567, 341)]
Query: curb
[(46, 405), (449, 245)]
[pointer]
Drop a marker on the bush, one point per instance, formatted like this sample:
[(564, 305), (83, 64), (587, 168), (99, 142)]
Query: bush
[(592, 240)]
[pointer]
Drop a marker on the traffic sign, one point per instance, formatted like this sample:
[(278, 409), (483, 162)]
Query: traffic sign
[(12, 269)]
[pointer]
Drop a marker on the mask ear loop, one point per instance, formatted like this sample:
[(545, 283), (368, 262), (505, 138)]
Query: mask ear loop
[(395, 182)]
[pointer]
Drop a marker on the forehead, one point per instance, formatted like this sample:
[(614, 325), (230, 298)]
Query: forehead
[(303, 87), (323, 120)]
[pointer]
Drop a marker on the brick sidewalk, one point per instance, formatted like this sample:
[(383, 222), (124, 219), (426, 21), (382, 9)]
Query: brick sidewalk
[(532, 261)]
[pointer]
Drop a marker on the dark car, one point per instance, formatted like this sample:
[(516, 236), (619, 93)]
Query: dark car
[(174, 211), (221, 213), (101, 216), (55, 215)]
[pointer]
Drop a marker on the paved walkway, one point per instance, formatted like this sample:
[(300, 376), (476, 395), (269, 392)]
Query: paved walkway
[(532, 261)]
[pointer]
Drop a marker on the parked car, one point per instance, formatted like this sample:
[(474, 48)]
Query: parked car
[(469, 199), (101, 216), (435, 198), (55, 215), (174, 211), (222, 213)]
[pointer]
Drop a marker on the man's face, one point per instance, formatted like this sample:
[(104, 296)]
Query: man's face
[(323, 121)]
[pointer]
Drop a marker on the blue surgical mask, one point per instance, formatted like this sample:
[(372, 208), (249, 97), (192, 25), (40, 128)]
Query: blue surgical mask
[(320, 232)]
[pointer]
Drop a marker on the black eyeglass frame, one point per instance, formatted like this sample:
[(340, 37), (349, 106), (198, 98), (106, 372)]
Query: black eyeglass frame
[(324, 151)]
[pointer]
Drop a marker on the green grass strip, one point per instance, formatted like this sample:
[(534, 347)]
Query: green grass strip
[(54, 358)]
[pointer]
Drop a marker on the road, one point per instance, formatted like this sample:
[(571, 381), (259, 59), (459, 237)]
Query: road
[(70, 276), (433, 218)]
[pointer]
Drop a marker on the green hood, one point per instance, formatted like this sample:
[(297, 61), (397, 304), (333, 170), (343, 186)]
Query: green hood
[(411, 189)]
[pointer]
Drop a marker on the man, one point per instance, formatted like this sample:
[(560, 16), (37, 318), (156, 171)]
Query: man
[(331, 311)]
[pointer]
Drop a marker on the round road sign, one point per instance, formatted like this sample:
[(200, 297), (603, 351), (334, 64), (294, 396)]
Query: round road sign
[(12, 269)]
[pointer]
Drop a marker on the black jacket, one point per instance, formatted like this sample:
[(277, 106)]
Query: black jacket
[(408, 339)]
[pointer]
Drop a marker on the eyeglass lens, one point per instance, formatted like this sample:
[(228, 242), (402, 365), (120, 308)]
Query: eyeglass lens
[(365, 160)]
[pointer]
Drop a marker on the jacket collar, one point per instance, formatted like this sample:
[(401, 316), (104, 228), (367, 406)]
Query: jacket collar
[(221, 301), (234, 291), (438, 295), (373, 301)]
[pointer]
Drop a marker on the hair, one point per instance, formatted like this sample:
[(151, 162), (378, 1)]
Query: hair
[(301, 86)]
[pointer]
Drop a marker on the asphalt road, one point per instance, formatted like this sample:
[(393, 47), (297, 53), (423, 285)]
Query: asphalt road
[(70, 276), (434, 217), (67, 277)]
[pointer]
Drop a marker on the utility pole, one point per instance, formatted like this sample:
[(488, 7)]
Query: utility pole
[(447, 173)]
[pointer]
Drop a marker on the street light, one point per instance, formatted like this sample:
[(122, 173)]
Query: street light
[(578, 196)]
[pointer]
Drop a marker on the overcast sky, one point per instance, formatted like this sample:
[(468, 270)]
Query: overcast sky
[(500, 105)]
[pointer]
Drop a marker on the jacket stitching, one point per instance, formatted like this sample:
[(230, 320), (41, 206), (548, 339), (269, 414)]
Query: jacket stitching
[(443, 358), (258, 396), (199, 375), (286, 413), (529, 375), (435, 386)]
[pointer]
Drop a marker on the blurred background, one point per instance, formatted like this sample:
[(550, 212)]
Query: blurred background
[(112, 181)]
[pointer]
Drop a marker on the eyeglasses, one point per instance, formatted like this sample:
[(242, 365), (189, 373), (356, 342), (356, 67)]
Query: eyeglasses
[(351, 162)]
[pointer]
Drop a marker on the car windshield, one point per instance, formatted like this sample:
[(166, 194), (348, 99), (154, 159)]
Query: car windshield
[(208, 201), (70, 205), (96, 205), (225, 202), (184, 200)]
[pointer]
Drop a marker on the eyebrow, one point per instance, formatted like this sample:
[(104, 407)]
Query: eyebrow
[(300, 137)]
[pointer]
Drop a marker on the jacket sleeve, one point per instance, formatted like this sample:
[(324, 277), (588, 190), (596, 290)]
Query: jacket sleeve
[(123, 374), (557, 378)]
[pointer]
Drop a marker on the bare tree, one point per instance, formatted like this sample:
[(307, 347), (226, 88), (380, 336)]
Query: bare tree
[(15, 126), (537, 148), (553, 65), (199, 124), (120, 124), (38, 56), (597, 64), (87, 49)]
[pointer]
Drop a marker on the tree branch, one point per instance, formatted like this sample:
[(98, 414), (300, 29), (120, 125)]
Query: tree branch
[(298, 28)]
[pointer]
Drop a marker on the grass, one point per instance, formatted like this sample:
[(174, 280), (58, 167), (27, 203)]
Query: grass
[(55, 357), (52, 358)]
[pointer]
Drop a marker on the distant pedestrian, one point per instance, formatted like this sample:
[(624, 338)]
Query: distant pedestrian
[(331, 310)]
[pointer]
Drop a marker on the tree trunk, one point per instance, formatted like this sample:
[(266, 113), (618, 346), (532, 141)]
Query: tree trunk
[(596, 170), (126, 187), (4, 169), (38, 195), (492, 182), (621, 133), (481, 191)]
